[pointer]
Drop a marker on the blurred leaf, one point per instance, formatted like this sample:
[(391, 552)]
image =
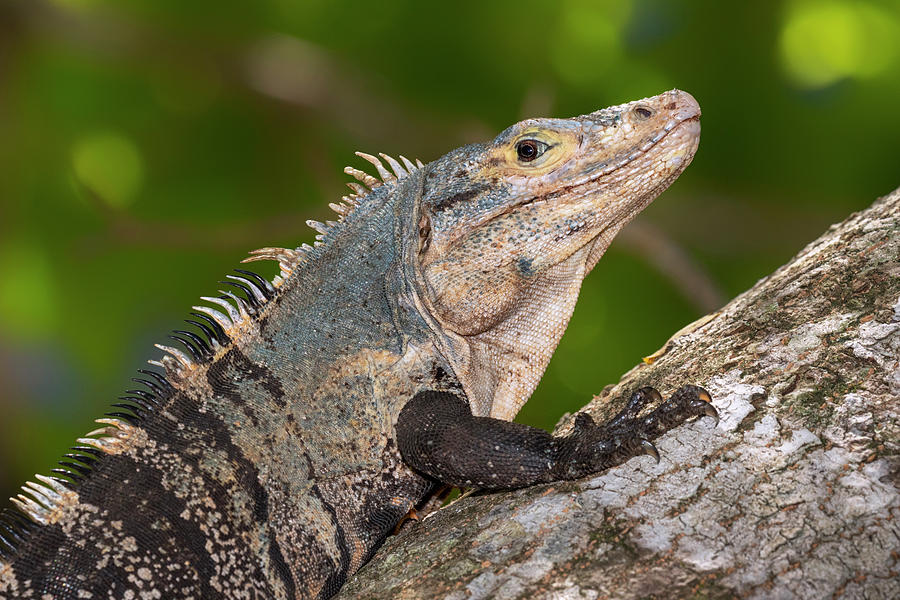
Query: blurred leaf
[(589, 39), (823, 42)]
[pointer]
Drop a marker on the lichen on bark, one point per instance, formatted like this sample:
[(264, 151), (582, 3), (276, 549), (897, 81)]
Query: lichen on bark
[(792, 495)]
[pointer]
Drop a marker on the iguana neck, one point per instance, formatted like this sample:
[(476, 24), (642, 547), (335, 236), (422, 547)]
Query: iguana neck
[(350, 291)]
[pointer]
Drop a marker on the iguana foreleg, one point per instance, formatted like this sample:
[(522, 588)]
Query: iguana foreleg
[(437, 435)]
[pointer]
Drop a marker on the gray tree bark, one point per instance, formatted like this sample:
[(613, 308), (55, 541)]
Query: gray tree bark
[(794, 494)]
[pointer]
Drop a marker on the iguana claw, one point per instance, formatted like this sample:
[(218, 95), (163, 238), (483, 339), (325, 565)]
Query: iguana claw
[(627, 435), (650, 449)]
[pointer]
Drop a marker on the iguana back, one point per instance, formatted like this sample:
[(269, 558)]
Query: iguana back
[(264, 461)]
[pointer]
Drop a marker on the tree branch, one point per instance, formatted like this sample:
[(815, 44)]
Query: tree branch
[(793, 494)]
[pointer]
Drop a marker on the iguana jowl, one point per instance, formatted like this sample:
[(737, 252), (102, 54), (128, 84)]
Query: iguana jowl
[(309, 414)]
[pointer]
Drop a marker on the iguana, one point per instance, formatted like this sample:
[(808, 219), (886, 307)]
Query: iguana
[(305, 417)]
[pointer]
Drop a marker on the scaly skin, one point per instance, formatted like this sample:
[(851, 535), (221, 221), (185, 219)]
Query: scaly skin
[(266, 463)]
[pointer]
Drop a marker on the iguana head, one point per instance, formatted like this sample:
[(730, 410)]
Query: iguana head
[(508, 230)]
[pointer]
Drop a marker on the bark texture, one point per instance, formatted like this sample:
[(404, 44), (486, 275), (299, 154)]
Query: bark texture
[(793, 495)]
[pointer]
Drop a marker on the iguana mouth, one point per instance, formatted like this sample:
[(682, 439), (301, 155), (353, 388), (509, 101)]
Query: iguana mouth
[(645, 148)]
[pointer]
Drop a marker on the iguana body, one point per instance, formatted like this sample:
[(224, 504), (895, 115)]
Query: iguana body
[(272, 459)]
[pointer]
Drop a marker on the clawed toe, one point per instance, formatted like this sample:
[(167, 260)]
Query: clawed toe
[(584, 422), (650, 449), (643, 397), (640, 399), (627, 435), (710, 411), (700, 401), (651, 394)]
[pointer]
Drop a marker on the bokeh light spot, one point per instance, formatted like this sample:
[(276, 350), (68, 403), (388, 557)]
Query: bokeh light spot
[(824, 42), (108, 165), (589, 39)]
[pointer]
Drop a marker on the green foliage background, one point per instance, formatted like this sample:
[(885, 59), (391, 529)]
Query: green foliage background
[(147, 145)]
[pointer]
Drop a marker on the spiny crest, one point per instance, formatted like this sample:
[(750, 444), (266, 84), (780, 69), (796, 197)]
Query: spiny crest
[(216, 325), (399, 171), (42, 503), (219, 324), (367, 183), (289, 259)]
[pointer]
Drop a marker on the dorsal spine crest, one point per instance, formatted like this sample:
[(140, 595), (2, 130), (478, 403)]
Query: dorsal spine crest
[(219, 326)]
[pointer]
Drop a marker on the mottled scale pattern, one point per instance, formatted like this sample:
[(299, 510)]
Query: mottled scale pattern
[(270, 471), (204, 514)]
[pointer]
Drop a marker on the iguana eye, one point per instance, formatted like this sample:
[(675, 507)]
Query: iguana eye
[(528, 150)]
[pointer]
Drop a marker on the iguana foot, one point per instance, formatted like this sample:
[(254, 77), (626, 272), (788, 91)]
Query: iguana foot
[(597, 447), (438, 436)]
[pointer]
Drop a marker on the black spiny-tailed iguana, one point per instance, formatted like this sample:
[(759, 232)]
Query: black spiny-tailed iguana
[(309, 414)]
